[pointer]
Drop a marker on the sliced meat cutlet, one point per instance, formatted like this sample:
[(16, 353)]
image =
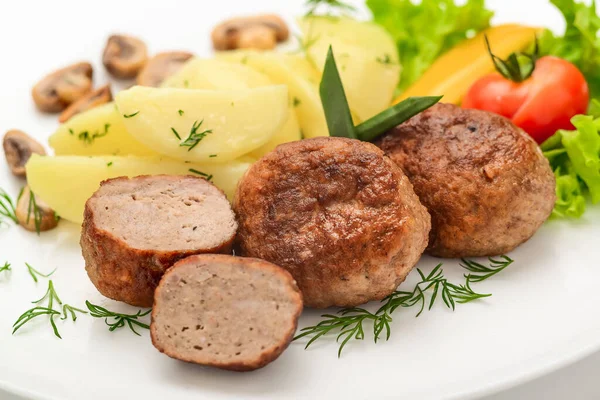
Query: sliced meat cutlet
[(135, 229), (223, 311)]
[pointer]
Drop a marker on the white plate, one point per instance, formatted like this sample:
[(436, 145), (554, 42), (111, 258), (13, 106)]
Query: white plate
[(543, 313)]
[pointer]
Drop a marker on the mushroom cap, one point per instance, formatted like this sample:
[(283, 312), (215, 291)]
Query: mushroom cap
[(34, 214), (124, 56), (93, 99), (57, 90), (228, 34), (18, 148), (161, 66), (258, 37)]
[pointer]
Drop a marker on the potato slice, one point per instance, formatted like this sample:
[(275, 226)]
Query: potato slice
[(95, 132), (213, 74), (367, 60), (281, 69), (303, 67), (289, 133), (66, 182), (204, 125), (222, 75), (366, 35)]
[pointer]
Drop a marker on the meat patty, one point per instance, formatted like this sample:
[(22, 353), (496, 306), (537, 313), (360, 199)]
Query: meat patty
[(337, 214), (227, 312), (135, 229), (484, 181)]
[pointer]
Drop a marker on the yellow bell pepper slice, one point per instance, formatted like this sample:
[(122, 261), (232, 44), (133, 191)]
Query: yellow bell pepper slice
[(454, 72)]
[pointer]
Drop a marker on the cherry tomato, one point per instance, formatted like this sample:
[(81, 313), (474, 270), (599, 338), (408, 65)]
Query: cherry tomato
[(545, 102)]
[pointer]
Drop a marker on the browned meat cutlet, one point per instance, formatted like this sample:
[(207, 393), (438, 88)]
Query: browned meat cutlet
[(484, 181), (337, 214)]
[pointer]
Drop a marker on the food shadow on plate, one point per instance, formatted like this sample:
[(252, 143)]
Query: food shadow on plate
[(236, 384)]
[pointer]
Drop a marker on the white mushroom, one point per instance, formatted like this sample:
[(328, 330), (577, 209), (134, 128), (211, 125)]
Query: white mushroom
[(259, 32)]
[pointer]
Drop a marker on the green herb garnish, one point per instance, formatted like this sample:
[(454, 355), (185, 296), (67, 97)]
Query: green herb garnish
[(306, 43), (481, 272), (49, 310), (35, 273), (331, 5), (109, 164), (212, 155), (5, 267), (385, 60), (7, 207), (394, 116), (335, 103), (88, 138), (202, 174), (339, 118), (195, 136), (131, 115), (119, 319), (181, 112), (175, 133), (33, 208), (348, 323), (296, 102)]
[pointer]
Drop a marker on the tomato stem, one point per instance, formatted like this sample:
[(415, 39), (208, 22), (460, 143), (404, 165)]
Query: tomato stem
[(518, 66)]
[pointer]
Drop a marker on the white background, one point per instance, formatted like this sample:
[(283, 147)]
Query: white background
[(38, 36)]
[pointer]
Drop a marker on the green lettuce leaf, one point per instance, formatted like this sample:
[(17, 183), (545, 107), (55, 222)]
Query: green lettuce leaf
[(583, 148), (580, 43), (575, 159), (570, 201), (446, 25)]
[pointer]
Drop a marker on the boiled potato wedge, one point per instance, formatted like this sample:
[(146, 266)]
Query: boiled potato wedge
[(302, 67), (66, 182), (366, 57), (289, 133), (223, 75), (213, 74), (281, 70), (97, 131), (206, 126), (366, 35)]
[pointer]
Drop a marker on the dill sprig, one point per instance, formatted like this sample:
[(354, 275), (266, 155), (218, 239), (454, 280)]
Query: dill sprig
[(482, 272), (52, 298), (202, 174), (6, 267), (33, 208), (195, 135), (119, 319), (348, 323), (7, 207), (89, 138), (131, 115), (385, 60), (35, 273), (343, 7), (304, 44)]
